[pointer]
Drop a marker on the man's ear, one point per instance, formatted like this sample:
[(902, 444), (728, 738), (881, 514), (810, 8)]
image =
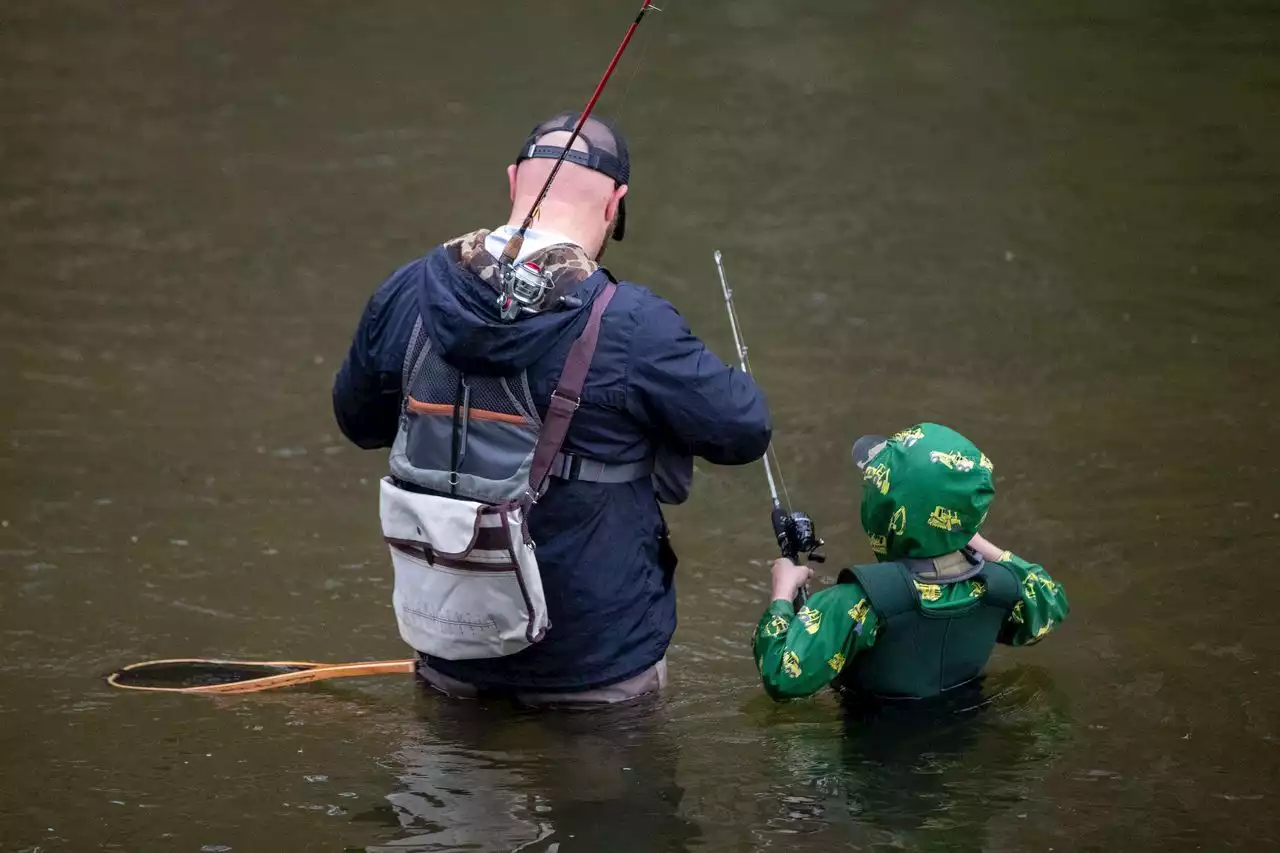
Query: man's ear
[(611, 209), (511, 180)]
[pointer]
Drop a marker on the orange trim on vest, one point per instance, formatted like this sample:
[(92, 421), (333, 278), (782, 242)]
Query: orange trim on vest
[(479, 414)]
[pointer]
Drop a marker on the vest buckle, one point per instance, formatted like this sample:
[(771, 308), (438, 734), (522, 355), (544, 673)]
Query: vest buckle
[(575, 401)]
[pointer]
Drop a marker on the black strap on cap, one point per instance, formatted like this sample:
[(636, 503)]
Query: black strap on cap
[(598, 161)]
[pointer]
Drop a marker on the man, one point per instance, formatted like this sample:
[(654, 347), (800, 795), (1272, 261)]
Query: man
[(653, 390), (924, 620)]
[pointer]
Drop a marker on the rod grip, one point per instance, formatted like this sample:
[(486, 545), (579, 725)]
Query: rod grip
[(802, 595), (511, 251)]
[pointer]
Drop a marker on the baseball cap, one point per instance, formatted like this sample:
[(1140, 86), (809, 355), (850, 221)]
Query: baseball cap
[(865, 449), (606, 152), (925, 491)]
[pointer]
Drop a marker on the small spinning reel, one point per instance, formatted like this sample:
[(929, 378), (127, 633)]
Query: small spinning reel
[(527, 289), (796, 534), (524, 289)]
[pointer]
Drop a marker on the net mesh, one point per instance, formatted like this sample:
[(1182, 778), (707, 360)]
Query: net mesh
[(184, 674)]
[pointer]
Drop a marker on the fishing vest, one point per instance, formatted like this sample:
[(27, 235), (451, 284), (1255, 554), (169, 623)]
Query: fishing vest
[(470, 459), (921, 653)]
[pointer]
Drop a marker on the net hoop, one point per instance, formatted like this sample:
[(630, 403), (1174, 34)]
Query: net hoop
[(308, 671)]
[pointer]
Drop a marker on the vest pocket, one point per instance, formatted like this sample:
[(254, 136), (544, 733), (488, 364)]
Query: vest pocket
[(456, 612), (466, 581)]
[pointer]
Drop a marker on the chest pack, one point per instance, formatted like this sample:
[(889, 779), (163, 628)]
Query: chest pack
[(470, 460)]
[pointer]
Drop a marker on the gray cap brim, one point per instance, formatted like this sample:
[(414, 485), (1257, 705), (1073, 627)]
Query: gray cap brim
[(866, 448)]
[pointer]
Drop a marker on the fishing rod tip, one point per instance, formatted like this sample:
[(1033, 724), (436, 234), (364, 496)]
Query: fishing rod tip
[(717, 256)]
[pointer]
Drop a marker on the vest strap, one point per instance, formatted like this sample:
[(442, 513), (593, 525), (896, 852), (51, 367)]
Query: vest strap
[(568, 394), (1003, 589), (892, 591), (567, 466), (889, 587)]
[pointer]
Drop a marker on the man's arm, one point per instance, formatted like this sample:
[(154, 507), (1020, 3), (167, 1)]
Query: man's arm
[(705, 407), (366, 390), (1044, 602), (799, 654)]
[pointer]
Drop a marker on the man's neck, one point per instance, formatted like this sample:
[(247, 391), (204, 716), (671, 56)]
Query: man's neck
[(559, 219)]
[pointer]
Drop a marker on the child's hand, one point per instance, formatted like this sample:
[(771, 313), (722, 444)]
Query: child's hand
[(788, 578), (984, 547)]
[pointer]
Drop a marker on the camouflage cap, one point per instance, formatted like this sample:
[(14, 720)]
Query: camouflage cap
[(925, 491)]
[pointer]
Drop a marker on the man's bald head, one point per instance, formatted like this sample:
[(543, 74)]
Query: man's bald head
[(585, 201)]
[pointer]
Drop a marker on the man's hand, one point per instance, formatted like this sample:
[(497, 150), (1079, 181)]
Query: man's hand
[(788, 578)]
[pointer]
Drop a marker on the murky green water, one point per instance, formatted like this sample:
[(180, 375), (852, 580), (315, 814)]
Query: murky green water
[(1051, 226)]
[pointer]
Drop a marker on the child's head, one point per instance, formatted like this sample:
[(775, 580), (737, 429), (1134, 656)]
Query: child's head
[(925, 491)]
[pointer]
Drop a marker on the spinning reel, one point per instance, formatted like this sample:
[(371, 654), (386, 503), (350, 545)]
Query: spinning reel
[(524, 290), (796, 535)]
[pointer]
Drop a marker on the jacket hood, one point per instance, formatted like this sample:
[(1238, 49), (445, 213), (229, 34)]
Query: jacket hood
[(460, 309), (925, 493)]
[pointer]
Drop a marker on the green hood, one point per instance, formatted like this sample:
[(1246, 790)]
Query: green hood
[(925, 493)]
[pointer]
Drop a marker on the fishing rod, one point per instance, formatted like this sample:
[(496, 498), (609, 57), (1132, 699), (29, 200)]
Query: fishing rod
[(794, 529), (520, 284)]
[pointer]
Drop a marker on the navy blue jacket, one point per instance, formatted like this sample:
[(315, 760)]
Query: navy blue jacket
[(607, 570)]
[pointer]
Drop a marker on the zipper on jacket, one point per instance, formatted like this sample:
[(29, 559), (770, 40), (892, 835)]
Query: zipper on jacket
[(458, 451)]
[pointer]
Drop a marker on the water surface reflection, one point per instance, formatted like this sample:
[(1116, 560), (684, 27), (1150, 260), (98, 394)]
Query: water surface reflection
[(920, 776), (488, 777)]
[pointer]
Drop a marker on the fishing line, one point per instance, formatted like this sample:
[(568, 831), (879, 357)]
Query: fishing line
[(512, 250), (794, 530), (786, 497), (745, 360), (745, 363), (644, 53)]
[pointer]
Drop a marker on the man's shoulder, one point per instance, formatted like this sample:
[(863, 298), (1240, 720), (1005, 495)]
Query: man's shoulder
[(635, 289), (654, 315), (392, 310), (402, 280), (637, 295)]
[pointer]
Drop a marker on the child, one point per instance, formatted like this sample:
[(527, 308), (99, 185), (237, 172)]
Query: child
[(926, 617)]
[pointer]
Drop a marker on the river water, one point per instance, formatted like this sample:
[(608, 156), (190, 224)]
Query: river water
[(1052, 226)]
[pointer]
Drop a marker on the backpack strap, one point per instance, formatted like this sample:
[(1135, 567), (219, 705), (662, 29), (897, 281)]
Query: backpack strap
[(568, 394)]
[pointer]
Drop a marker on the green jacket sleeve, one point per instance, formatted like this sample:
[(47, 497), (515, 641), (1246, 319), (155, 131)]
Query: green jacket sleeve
[(799, 654), (1043, 606)]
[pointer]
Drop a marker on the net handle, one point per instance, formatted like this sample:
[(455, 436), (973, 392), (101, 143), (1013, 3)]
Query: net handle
[(311, 672)]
